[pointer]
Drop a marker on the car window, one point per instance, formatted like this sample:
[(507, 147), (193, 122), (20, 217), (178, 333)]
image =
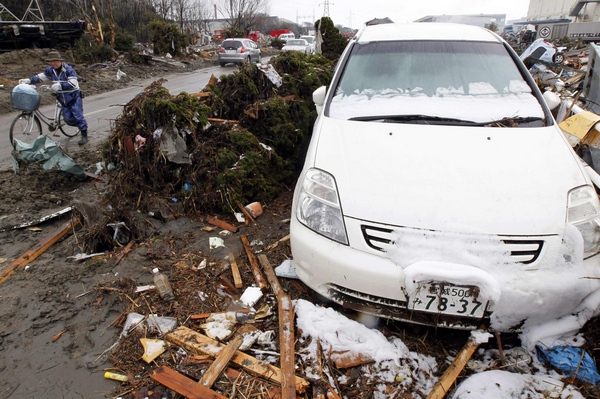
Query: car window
[(309, 39), (231, 44), (296, 43), (474, 81)]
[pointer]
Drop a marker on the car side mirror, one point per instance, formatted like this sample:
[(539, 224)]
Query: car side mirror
[(319, 98)]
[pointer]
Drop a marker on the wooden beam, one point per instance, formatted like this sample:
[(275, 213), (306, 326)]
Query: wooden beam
[(183, 385), (221, 224), (212, 373), (235, 271), (447, 379), (39, 249), (245, 212), (202, 345), (258, 276), (286, 331)]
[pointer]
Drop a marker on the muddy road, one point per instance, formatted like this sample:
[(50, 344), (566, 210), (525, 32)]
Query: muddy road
[(101, 109)]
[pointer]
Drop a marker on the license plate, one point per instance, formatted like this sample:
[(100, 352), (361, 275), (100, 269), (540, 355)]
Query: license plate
[(449, 299), (230, 51)]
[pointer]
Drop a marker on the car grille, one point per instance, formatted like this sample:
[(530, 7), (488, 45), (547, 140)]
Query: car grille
[(522, 249)]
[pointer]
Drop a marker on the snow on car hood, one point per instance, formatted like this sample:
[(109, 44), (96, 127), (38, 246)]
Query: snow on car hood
[(507, 181)]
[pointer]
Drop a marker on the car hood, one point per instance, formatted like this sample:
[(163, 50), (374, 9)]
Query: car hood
[(507, 181)]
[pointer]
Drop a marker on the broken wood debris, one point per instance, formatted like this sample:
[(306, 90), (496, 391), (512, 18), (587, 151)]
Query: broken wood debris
[(183, 385), (201, 344), (235, 271), (286, 330), (447, 379), (39, 249), (260, 280), (220, 223), (210, 376)]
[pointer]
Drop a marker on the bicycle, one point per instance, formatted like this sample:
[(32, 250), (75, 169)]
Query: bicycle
[(28, 123)]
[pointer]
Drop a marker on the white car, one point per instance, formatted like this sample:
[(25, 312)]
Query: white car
[(287, 36), (438, 189), (544, 51), (311, 43), (297, 45)]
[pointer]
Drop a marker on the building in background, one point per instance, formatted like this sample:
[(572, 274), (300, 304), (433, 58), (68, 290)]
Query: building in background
[(578, 10), (483, 20)]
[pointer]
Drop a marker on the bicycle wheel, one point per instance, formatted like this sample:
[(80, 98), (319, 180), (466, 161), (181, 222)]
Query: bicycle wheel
[(69, 131), (25, 127)]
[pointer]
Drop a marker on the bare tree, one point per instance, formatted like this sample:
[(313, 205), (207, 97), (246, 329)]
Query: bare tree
[(243, 14)]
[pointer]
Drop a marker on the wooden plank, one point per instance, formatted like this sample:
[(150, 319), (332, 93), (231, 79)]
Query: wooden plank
[(447, 379), (286, 331), (221, 224), (235, 271), (245, 212), (202, 345), (39, 249), (200, 94), (258, 276), (183, 385), (212, 373)]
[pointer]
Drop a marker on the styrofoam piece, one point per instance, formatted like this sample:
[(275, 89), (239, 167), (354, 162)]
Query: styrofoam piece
[(251, 296)]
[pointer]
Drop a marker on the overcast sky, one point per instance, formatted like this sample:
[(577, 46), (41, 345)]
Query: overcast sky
[(354, 13)]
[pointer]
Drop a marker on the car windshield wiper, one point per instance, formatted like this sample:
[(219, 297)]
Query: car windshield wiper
[(412, 117), (512, 122)]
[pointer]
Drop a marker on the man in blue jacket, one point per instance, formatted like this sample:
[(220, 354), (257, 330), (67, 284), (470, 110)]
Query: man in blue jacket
[(66, 87)]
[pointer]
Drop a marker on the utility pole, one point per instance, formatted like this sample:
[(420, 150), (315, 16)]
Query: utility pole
[(326, 8), (35, 11), (3, 10)]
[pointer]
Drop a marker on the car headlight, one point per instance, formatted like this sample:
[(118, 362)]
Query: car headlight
[(583, 211), (319, 206)]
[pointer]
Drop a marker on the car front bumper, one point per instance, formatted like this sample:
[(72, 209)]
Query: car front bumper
[(373, 283)]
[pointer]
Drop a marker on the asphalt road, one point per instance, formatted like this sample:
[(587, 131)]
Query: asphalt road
[(102, 109)]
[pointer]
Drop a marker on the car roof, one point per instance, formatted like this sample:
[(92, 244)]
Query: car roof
[(425, 31)]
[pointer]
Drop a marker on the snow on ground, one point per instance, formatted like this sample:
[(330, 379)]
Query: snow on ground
[(394, 363), (555, 298), (497, 384)]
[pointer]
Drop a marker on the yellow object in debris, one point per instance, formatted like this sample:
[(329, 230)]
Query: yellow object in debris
[(582, 126), (115, 376), (153, 348)]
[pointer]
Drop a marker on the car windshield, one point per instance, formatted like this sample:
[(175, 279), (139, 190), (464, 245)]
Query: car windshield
[(296, 43), (309, 39), (470, 81)]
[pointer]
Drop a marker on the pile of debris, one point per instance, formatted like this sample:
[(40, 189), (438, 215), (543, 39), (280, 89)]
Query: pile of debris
[(238, 140)]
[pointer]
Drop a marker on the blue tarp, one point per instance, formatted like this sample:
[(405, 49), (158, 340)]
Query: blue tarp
[(569, 361)]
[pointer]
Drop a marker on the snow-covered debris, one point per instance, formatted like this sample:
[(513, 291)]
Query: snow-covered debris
[(393, 361), (496, 384)]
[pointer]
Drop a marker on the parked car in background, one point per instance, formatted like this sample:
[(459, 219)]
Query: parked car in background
[(311, 43), (297, 45), (544, 51), (287, 36), (238, 51), (438, 189)]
